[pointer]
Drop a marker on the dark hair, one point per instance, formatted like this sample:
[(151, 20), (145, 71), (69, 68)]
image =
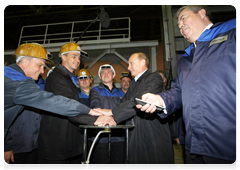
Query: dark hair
[(195, 9)]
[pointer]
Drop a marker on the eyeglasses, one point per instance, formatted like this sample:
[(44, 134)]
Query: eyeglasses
[(83, 77), (105, 67)]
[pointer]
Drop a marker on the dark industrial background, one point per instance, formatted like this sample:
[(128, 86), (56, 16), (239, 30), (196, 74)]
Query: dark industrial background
[(148, 23), (146, 20)]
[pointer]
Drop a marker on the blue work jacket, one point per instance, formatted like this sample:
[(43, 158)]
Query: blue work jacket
[(20, 91), (101, 97), (206, 89), (23, 134)]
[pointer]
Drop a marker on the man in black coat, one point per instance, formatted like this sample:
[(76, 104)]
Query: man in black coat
[(150, 140), (60, 140)]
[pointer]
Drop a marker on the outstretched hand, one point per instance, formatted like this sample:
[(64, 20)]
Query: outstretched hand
[(94, 112), (106, 112), (151, 98)]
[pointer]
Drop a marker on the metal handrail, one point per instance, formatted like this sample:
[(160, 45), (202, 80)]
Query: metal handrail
[(47, 38)]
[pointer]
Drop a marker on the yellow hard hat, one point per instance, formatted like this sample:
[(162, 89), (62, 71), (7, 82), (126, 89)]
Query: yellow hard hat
[(91, 76), (83, 73), (33, 50), (126, 74), (69, 47)]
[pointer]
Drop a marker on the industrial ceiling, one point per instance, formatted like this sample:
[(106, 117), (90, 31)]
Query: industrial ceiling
[(146, 20)]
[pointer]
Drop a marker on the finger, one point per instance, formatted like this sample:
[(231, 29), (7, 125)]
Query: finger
[(144, 96), (151, 109), (12, 158), (145, 107), (139, 106)]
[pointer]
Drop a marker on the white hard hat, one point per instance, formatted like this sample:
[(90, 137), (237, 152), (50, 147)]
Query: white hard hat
[(105, 66)]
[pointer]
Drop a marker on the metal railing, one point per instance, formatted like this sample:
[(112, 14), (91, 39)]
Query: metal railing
[(50, 34)]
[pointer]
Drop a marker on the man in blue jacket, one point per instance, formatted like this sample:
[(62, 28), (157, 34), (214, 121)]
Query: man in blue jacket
[(84, 84), (21, 139), (106, 96), (205, 87)]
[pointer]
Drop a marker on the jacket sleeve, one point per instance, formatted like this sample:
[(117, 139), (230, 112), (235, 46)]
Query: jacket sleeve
[(30, 94), (127, 109), (94, 98), (172, 98), (83, 119)]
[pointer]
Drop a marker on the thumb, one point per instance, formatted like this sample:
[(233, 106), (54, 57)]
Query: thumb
[(145, 96), (12, 158)]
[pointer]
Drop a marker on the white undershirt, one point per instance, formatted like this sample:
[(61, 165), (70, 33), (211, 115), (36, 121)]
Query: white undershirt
[(207, 27)]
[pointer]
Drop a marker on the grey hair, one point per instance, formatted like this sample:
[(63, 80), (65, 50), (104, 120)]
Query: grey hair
[(20, 58), (195, 9)]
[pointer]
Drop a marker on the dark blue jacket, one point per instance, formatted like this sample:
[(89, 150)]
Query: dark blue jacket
[(206, 89), (101, 97), (20, 91), (23, 134), (84, 99)]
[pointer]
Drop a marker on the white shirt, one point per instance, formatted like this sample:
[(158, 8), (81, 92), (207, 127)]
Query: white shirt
[(207, 27), (138, 76)]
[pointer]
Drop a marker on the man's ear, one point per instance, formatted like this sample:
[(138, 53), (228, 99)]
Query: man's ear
[(143, 62), (202, 13), (63, 57), (25, 62)]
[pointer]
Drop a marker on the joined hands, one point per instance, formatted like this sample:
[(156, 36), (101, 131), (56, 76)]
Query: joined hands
[(104, 117)]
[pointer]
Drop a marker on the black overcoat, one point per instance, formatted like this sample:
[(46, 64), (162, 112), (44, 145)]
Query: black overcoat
[(60, 138), (150, 140)]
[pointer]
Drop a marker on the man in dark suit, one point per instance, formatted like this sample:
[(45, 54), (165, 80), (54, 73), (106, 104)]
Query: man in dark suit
[(150, 140)]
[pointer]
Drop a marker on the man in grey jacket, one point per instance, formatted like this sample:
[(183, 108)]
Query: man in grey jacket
[(21, 90)]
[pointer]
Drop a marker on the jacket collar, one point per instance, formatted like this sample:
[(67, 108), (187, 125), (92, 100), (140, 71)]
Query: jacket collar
[(16, 67), (103, 86), (143, 75)]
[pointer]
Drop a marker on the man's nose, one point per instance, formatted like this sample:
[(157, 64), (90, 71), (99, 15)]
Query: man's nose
[(42, 70), (180, 24)]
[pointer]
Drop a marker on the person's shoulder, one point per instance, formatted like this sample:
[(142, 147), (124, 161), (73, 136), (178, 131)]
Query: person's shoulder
[(232, 22), (96, 89), (151, 76), (154, 75)]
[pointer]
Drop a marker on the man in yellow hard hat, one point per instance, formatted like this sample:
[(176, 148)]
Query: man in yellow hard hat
[(84, 82), (20, 89), (60, 141), (125, 79)]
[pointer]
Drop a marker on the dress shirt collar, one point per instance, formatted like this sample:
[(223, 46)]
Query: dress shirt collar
[(138, 76), (207, 27)]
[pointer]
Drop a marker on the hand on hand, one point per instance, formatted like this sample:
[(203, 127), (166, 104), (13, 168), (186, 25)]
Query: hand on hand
[(104, 120), (151, 98), (94, 112), (105, 112)]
